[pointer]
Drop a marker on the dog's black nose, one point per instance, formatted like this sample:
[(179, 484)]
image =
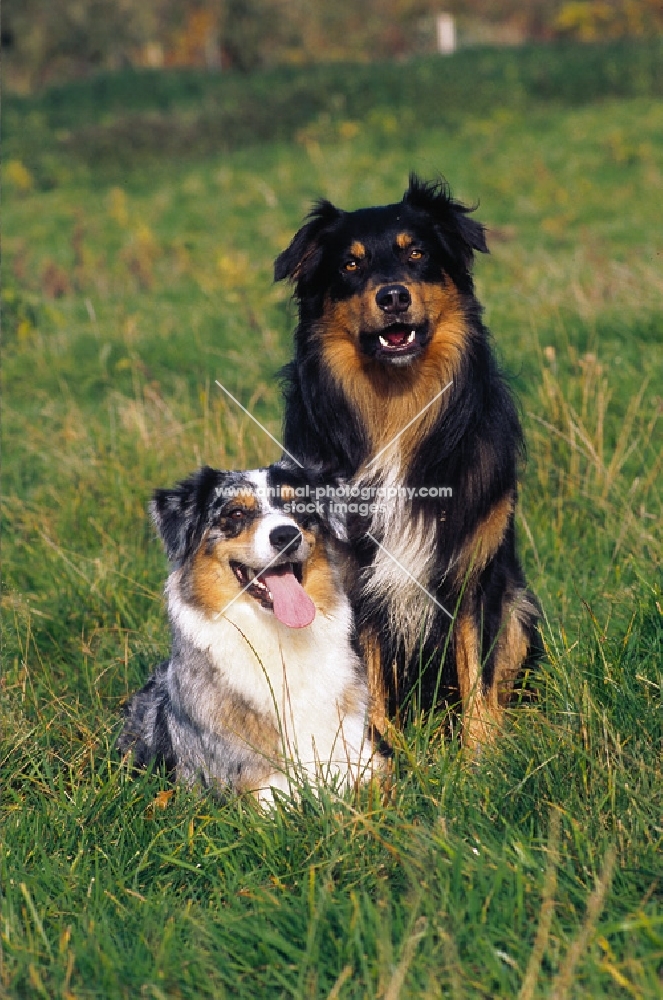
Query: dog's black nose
[(283, 536), (393, 299)]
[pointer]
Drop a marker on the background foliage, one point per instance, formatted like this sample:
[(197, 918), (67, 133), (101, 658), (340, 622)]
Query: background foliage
[(50, 40)]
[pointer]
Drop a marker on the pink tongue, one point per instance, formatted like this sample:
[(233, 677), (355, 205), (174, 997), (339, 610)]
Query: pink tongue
[(292, 605)]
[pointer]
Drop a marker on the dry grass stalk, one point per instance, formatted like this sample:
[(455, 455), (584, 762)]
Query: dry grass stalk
[(564, 978), (547, 911), (409, 948)]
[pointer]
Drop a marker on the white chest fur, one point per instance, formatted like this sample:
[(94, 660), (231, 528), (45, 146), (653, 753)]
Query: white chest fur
[(404, 561), (307, 680)]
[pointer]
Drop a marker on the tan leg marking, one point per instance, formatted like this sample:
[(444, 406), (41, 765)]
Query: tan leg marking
[(485, 540), (512, 648), (376, 687), (481, 712)]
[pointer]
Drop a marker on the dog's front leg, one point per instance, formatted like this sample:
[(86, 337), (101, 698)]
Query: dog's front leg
[(481, 712), (377, 690)]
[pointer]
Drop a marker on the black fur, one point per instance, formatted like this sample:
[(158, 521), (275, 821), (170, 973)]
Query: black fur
[(146, 732), (474, 447)]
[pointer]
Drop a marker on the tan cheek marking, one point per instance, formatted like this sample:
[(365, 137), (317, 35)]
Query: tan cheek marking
[(486, 539), (346, 319), (249, 500), (403, 240), (211, 583), (442, 304), (388, 397), (481, 714), (318, 578), (288, 492), (358, 249)]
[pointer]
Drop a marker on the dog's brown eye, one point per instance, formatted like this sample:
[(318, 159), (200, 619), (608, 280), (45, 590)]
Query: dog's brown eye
[(351, 265), (236, 515), (415, 254)]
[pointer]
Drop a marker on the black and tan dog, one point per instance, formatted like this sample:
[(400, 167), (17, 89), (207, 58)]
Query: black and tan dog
[(264, 685), (394, 386)]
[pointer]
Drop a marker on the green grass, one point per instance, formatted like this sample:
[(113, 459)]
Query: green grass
[(535, 871)]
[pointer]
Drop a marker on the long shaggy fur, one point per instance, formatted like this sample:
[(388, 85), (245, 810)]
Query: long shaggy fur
[(250, 699), (388, 318)]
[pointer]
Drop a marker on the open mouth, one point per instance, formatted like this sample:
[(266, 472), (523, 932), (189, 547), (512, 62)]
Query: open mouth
[(278, 589), (251, 582), (400, 340)]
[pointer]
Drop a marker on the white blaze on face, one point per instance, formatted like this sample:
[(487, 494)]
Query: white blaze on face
[(292, 605)]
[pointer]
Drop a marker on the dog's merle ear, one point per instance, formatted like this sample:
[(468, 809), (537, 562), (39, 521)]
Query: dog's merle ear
[(333, 515), (301, 258), (335, 519), (450, 216), (182, 514)]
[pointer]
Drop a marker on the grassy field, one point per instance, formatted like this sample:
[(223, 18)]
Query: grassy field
[(130, 283)]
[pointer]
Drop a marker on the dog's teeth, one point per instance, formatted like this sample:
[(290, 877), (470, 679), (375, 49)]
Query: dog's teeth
[(384, 341), (413, 334), (250, 573)]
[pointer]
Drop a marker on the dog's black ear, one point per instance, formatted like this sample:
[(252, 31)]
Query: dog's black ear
[(182, 514), (450, 216), (303, 255)]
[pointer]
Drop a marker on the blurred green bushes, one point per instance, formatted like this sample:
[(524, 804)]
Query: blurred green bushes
[(47, 41), (116, 121)]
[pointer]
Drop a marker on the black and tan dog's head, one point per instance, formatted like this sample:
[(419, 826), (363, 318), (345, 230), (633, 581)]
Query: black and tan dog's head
[(242, 535), (386, 282)]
